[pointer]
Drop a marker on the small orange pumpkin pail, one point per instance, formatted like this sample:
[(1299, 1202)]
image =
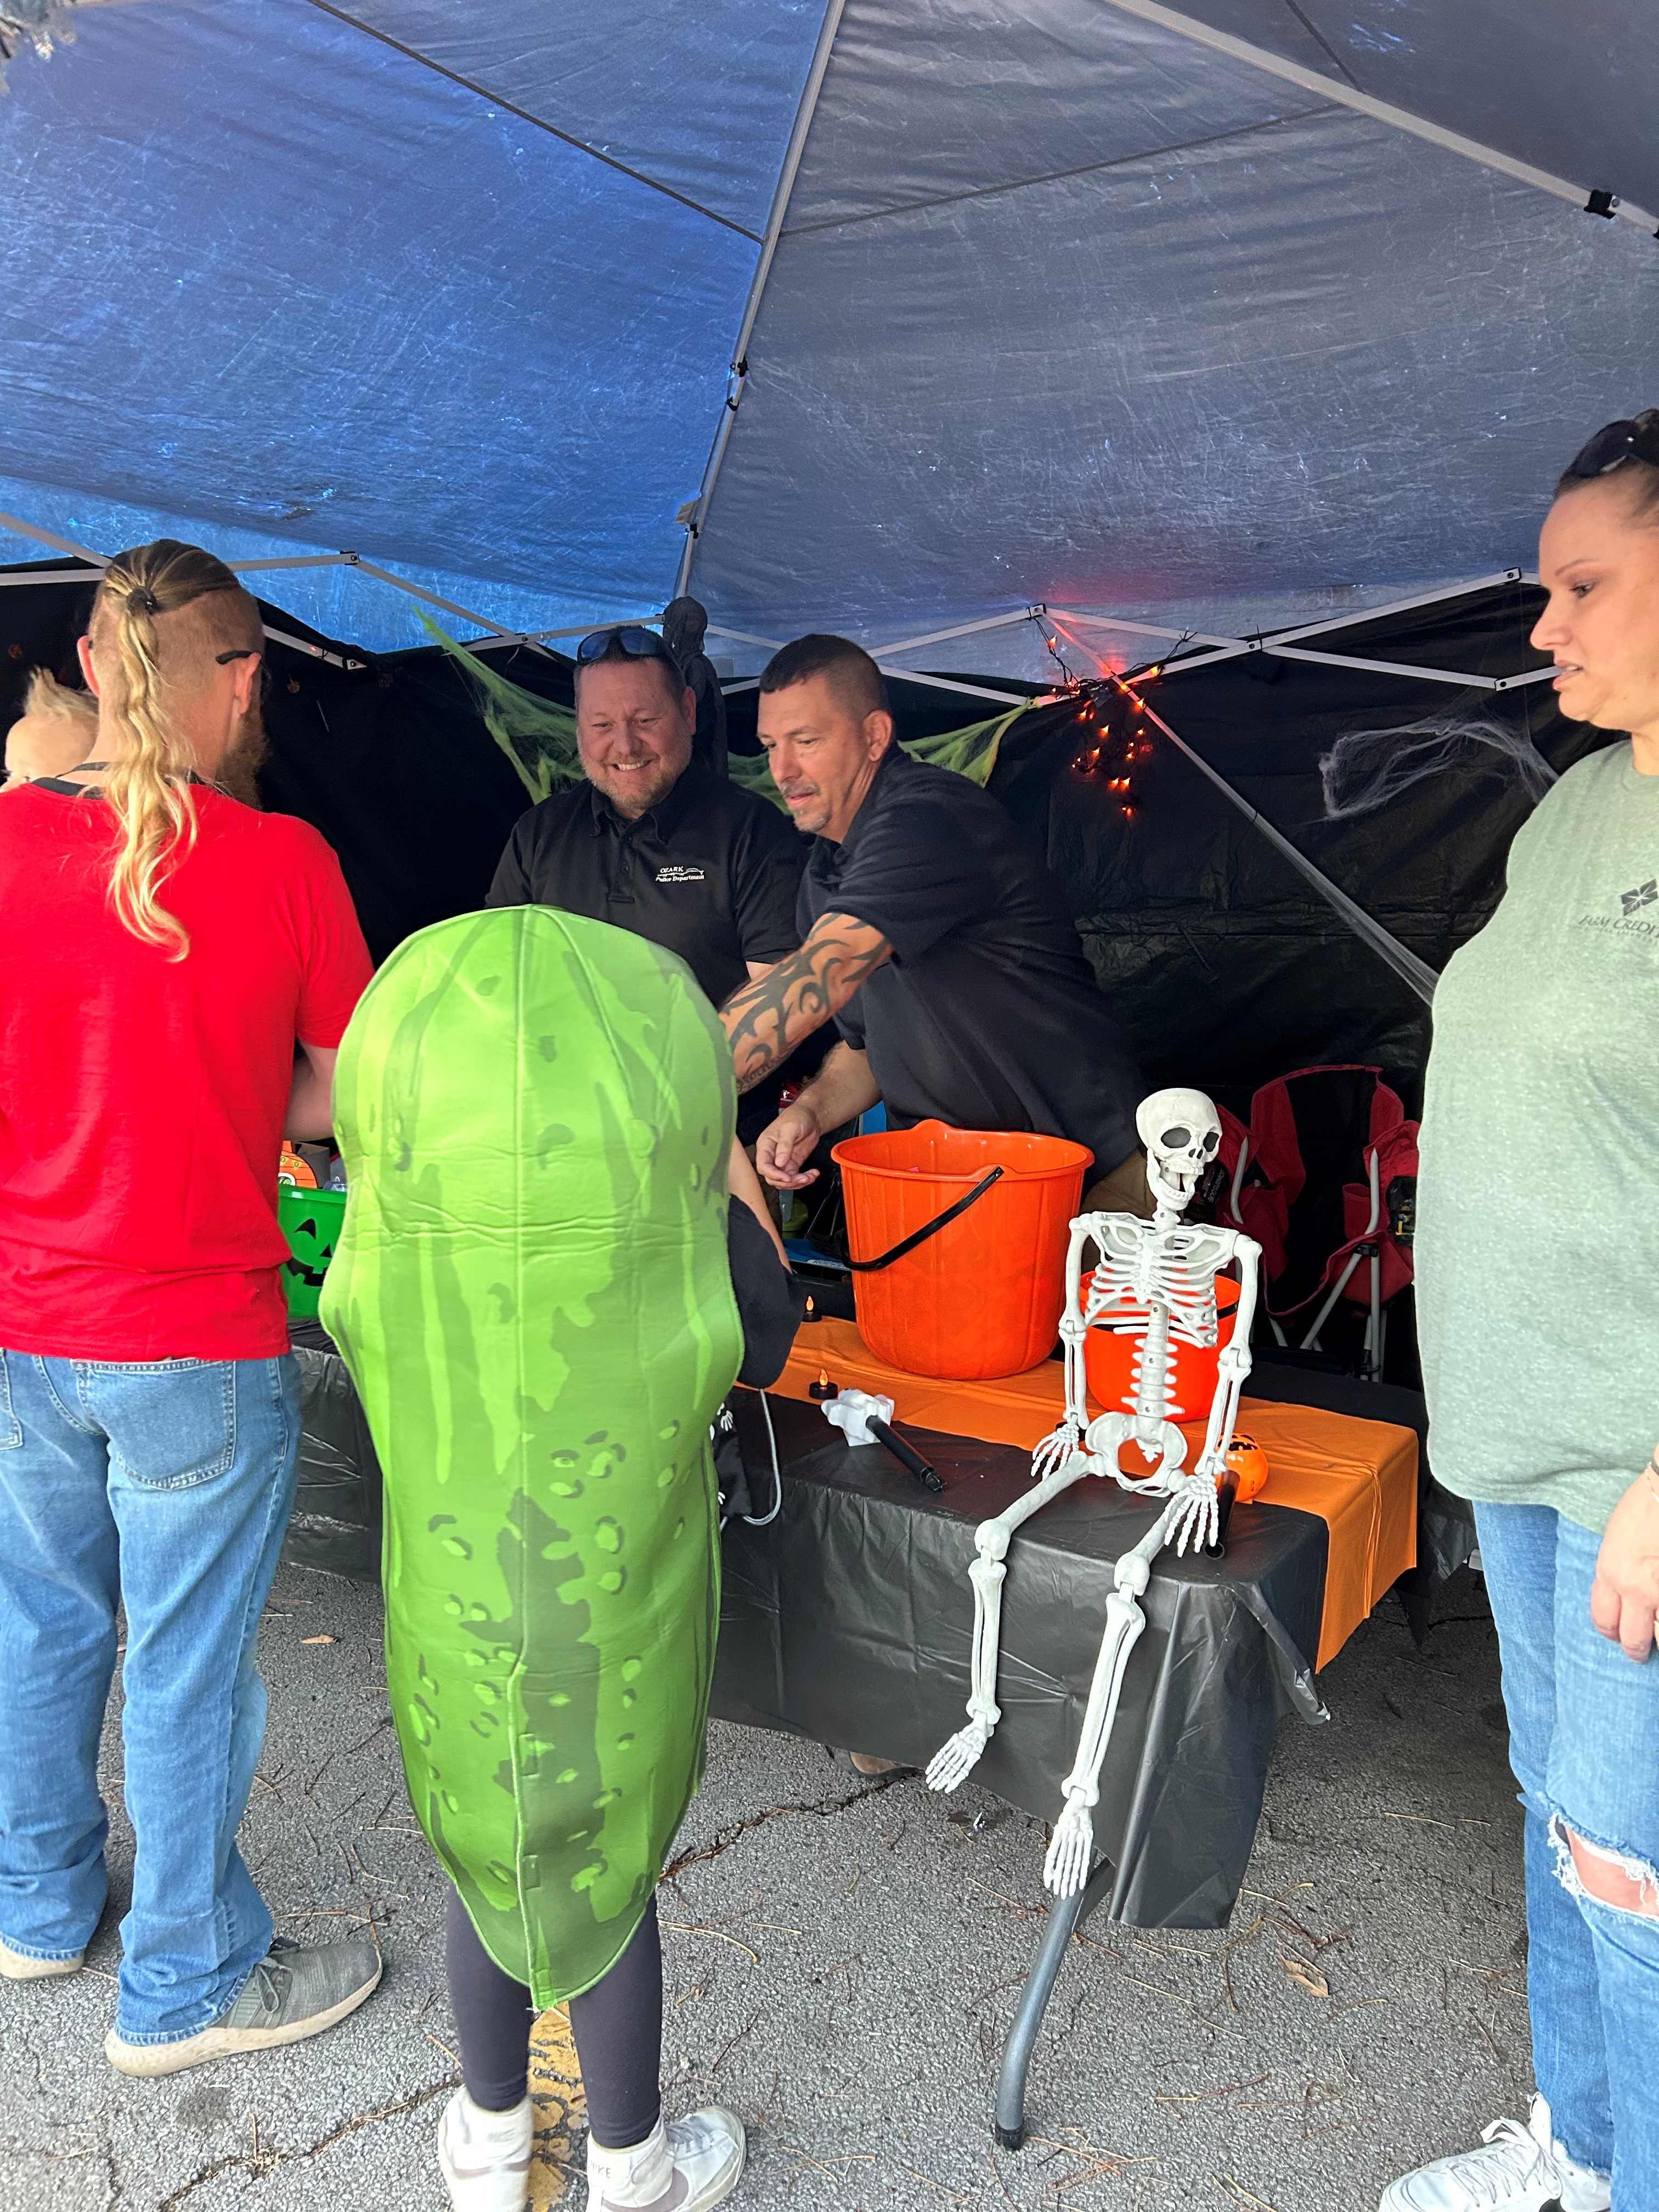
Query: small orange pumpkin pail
[(1250, 1463)]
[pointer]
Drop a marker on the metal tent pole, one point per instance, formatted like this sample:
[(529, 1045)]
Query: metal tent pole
[(50, 576), (1042, 613), (1434, 598), (16, 522), (958, 630), (909, 676), (1415, 973), (102, 561), (1592, 200), (739, 375)]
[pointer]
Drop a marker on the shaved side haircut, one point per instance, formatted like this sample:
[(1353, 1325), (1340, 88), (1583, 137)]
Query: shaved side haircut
[(856, 678)]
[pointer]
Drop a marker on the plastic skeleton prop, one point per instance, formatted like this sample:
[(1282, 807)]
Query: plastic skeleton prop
[(1159, 1277)]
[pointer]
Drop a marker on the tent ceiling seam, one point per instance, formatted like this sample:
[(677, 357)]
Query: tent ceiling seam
[(1323, 43), (1059, 176), (536, 122), (1589, 198)]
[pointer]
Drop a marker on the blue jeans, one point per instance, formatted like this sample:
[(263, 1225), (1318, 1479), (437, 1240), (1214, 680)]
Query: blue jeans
[(1584, 1745), (164, 1486)]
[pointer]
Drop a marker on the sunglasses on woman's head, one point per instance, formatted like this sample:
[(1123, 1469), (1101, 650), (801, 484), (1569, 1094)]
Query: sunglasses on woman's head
[(1619, 442)]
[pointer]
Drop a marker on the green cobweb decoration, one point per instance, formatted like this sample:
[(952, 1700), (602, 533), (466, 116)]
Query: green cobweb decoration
[(539, 738)]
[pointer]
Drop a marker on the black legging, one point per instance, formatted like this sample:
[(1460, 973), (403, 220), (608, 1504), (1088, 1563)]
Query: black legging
[(618, 2026)]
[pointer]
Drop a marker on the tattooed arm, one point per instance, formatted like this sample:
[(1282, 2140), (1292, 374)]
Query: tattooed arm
[(768, 1019)]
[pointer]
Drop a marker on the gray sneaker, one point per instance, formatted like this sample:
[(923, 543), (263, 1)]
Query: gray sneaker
[(292, 1993)]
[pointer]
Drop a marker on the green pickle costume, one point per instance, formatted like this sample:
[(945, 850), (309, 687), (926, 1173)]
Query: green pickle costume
[(533, 1294)]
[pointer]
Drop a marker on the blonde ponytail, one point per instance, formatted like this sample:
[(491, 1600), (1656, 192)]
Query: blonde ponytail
[(148, 782)]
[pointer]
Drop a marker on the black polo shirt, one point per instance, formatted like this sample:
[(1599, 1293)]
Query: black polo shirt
[(988, 1015), (710, 872)]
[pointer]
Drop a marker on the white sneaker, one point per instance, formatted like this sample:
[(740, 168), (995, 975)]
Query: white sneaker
[(1517, 2169), (685, 2166), (19, 1966), (485, 2156)]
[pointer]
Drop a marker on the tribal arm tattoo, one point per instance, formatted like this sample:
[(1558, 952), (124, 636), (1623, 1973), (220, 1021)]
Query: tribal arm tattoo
[(768, 1019)]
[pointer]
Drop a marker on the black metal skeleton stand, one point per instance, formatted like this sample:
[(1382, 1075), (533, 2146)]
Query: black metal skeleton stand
[(1065, 1915)]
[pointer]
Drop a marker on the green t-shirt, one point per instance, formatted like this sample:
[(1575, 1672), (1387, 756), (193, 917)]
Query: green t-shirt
[(1538, 1208)]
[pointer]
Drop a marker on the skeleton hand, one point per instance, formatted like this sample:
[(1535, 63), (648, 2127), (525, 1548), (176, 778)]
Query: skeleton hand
[(1196, 1519), (1052, 1454)]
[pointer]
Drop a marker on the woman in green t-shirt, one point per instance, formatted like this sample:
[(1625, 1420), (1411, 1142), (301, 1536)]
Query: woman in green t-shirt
[(1539, 1315)]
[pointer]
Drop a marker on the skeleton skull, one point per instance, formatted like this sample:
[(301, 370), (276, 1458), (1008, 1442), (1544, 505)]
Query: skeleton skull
[(1182, 1135)]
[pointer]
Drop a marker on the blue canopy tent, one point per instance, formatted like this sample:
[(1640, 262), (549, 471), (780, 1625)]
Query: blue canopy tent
[(894, 316), (1004, 335)]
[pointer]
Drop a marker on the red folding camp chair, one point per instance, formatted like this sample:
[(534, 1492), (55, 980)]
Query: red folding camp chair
[(1325, 1180)]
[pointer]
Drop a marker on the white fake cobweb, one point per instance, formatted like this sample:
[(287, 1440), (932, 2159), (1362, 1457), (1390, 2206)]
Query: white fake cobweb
[(1368, 769)]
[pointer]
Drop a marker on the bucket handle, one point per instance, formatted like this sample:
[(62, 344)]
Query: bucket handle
[(928, 1228)]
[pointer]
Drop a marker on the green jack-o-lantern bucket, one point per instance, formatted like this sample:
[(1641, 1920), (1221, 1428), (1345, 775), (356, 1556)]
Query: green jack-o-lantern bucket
[(311, 1222)]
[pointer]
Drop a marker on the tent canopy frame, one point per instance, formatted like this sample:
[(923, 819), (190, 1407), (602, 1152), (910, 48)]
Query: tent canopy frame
[(1281, 644)]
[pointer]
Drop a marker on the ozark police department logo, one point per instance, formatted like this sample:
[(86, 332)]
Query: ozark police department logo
[(1643, 895)]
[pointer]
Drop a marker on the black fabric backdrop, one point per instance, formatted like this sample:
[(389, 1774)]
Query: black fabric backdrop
[(1226, 967), (1229, 968)]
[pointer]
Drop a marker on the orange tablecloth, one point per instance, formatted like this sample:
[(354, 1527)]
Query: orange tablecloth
[(1360, 1477)]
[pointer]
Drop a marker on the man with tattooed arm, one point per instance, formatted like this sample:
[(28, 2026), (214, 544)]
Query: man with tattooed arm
[(934, 939)]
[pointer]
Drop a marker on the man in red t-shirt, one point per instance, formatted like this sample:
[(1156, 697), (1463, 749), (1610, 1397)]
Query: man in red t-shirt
[(176, 971)]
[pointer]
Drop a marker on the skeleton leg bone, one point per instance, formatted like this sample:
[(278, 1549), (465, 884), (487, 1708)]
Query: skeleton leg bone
[(1066, 1866), (955, 1760)]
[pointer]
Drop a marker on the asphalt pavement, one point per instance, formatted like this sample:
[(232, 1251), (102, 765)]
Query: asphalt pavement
[(843, 1960)]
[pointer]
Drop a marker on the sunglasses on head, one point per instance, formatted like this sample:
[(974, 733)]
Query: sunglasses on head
[(236, 653), (636, 641), (1620, 441)]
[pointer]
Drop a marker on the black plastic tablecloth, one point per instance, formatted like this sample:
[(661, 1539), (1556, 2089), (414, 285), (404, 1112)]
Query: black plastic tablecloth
[(848, 1619)]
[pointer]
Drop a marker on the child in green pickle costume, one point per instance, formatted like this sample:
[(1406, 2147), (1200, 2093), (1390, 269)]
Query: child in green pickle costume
[(533, 1294)]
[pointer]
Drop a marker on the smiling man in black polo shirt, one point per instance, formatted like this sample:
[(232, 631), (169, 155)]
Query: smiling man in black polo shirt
[(935, 940), (654, 842)]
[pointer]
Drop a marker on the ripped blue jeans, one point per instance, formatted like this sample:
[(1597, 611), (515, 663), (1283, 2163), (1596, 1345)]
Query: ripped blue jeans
[(1584, 1746)]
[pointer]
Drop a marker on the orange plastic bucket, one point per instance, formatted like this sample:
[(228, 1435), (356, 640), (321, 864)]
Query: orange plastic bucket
[(1108, 1359), (983, 1296)]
